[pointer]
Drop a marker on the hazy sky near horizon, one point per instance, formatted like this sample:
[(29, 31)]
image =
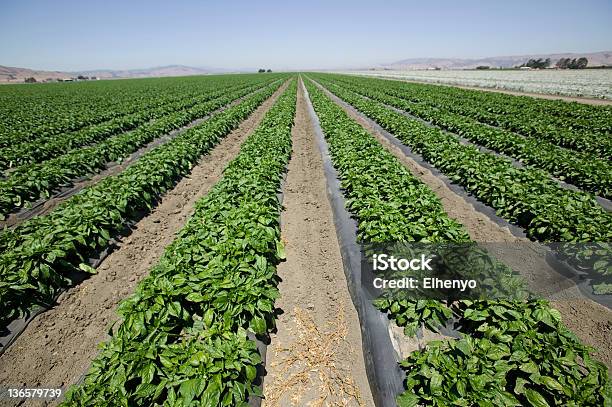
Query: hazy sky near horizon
[(112, 34)]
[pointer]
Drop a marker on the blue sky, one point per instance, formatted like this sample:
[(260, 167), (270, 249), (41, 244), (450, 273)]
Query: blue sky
[(307, 34)]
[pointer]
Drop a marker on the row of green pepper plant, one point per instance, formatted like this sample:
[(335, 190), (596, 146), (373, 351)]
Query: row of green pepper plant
[(572, 125), (31, 112), (587, 171), (47, 147), (38, 256), (184, 335), (526, 196), (32, 182), (510, 353)]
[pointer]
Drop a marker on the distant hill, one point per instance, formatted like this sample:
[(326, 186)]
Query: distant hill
[(595, 59), (12, 74), (17, 75), (169, 70)]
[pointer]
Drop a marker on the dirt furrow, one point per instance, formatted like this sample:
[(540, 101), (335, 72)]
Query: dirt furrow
[(57, 347), (590, 321), (315, 356)]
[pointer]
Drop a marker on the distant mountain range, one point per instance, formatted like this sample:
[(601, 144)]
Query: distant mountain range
[(18, 75), (12, 74), (169, 70), (595, 59)]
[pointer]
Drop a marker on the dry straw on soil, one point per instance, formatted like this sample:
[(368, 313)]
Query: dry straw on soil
[(310, 370)]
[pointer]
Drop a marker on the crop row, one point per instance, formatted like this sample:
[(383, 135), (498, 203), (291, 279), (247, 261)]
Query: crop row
[(44, 148), (57, 109), (13, 141), (524, 196), (525, 115), (528, 119), (592, 138), (38, 256), (571, 119), (581, 169), (510, 353), (30, 112), (391, 205), (183, 339), (31, 182)]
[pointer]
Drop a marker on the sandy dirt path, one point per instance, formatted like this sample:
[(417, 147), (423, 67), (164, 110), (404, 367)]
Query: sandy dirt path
[(57, 347), (315, 356), (590, 321)]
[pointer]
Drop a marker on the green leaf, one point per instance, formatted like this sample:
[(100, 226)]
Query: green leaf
[(209, 316), (519, 388), (251, 372), (87, 268), (239, 391), (435, 384), (535, 398), (551, 383), (529, 367), (104, 234), (195, 297), (464, 347), (280, 251), (259, 325), (148, 373), (407, 400), (189, 390)]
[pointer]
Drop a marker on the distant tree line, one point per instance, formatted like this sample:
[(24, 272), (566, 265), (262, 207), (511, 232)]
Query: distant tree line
[(539, 63), (261, 70), (563, 63), (568, 63)]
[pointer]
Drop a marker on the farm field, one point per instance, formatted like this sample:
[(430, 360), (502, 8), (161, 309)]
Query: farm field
[(592, 83), (208, 240)]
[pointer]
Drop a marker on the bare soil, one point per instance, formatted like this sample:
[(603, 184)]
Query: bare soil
[(590, 321), (56, 349), (315, 356)]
